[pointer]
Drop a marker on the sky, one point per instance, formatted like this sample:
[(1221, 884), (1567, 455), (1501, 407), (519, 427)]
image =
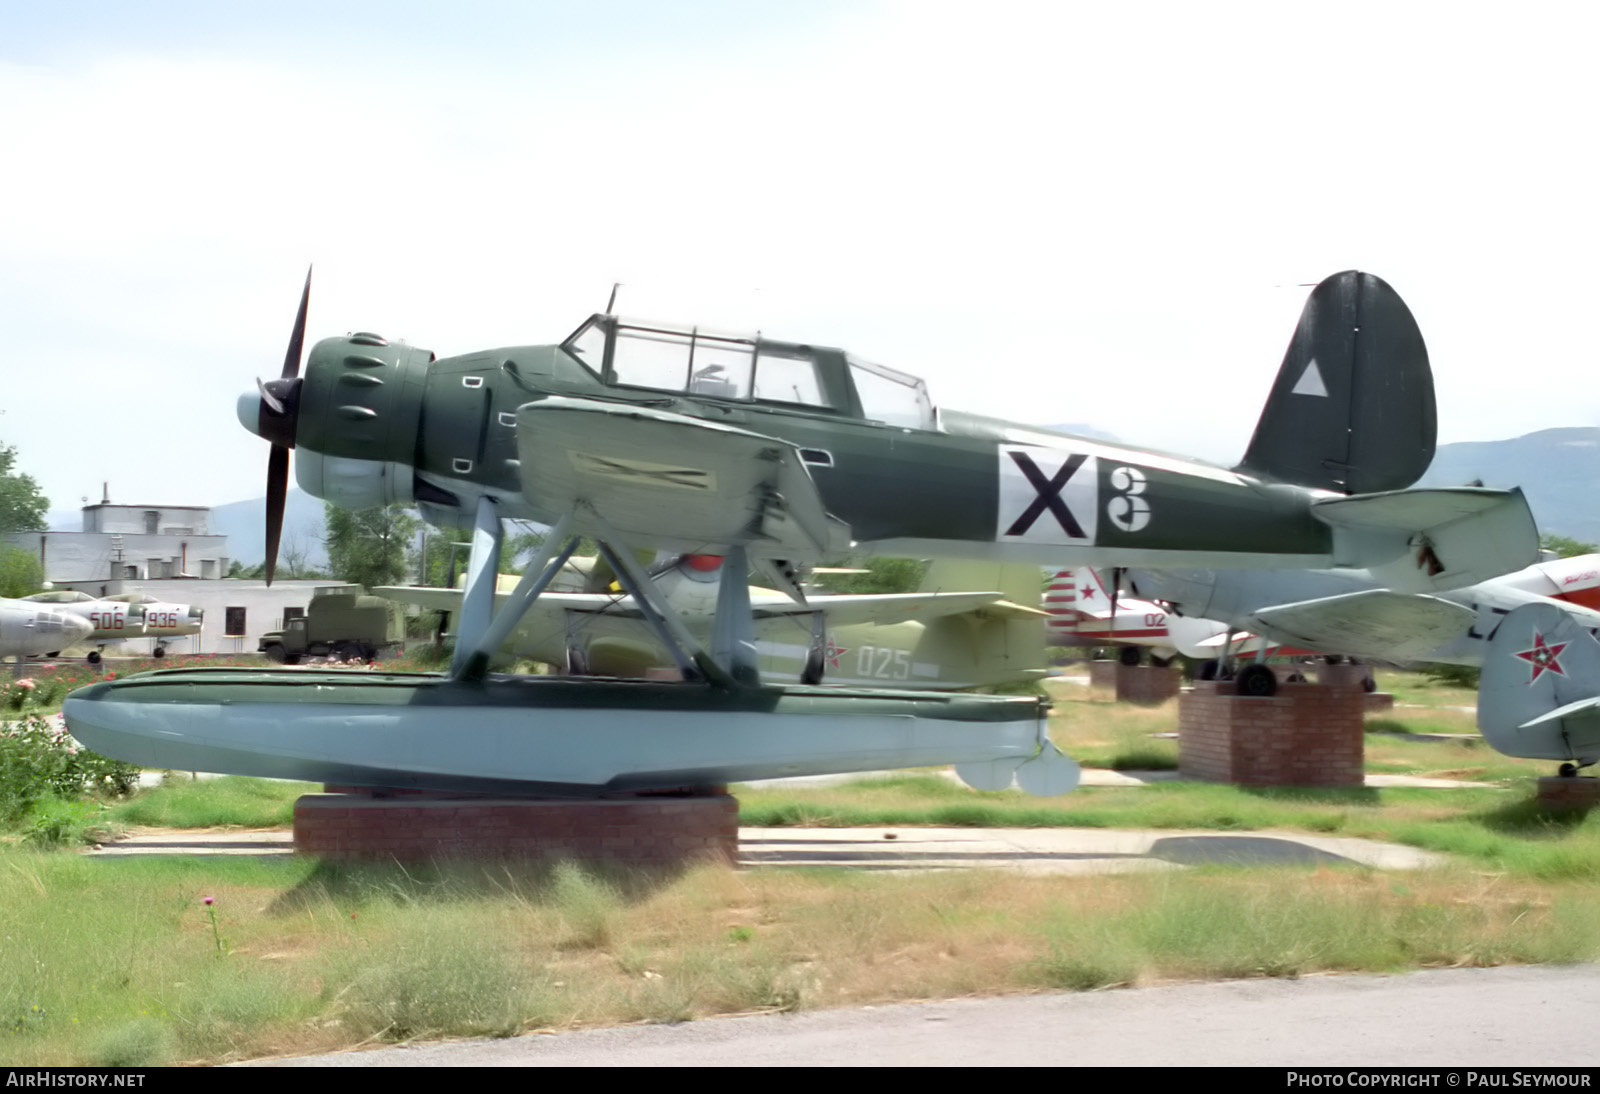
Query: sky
[(1058, 212)]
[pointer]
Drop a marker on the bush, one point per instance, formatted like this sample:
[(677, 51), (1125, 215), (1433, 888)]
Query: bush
[(38, 760), (1461, 676)]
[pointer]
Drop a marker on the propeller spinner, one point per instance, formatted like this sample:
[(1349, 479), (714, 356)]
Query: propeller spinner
[(271, 412)]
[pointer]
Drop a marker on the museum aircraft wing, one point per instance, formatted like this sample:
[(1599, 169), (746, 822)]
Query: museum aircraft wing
[(1376, 624), (699, 440), (1349, 612)]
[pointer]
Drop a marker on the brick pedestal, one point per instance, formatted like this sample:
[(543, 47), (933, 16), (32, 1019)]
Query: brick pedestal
[(1306, 735), (1559, 795), (1146, 685), (638, 831)]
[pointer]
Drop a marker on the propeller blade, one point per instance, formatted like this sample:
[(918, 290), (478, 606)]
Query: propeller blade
[(297, 339), (277, 496), (272, 401)]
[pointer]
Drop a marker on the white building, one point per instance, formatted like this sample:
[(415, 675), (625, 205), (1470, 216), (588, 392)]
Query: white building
[(168, 553), (131, 543)]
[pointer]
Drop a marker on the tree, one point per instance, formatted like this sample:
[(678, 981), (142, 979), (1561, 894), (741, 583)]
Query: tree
[(1566, 548), (20, 573), (883, 575), (22, 507), (368, 546)]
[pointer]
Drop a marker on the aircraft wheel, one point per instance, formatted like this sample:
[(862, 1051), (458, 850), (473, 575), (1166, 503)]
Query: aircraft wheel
[(54, 654), (1130, 655), (94, 657), (1160, 662), (577, 663), (159, 652), (1368, 684), (1568, 771), (812, 673), (1257, 681), (1207, 670)]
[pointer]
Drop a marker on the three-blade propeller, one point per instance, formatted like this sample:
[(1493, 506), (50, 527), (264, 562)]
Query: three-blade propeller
[(279, 409)]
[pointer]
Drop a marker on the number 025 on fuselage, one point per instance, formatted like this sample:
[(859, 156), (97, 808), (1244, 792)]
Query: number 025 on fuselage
[(1349, 425)]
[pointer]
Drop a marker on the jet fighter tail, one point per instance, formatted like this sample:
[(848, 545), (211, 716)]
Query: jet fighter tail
[(1539, 695), (1352, 409)]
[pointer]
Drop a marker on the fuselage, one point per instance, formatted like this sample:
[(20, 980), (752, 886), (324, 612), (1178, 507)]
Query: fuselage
[(381, 423)]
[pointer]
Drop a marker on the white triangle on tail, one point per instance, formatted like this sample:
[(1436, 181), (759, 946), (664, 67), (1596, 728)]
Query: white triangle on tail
[(1310, 382)]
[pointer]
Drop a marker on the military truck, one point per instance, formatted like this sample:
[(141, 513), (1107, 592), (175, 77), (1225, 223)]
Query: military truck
[(351, 626)]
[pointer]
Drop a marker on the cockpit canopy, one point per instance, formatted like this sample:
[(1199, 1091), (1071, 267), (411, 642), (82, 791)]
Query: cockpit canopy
[(748, 369), (61, 596)]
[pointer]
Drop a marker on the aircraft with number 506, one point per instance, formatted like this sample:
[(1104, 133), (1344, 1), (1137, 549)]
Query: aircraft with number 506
[(775, 455)]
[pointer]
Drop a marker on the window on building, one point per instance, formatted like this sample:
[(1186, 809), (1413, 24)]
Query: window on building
[(233, 622), (152, 521), (293, 613)]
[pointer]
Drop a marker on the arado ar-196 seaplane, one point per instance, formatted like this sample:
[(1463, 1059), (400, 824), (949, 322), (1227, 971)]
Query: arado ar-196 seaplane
[(774, 455)]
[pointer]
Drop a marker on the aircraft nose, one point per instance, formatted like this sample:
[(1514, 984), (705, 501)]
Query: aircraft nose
[(249, 410)]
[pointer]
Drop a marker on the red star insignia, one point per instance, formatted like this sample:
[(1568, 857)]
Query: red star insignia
[(834, 652), (1543, 658), (1085, 593)]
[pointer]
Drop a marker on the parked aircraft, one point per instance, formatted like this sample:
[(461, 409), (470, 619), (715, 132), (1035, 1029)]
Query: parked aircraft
[(772, 455), (1081, 611), (1539, 695), (949, 636), (1349, 612), (124, 616), (28, 629), (857, 452)]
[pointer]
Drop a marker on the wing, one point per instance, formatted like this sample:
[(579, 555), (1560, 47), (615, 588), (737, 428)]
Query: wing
[(887, 608), (1376, 623), (841, 611), (677, 481)]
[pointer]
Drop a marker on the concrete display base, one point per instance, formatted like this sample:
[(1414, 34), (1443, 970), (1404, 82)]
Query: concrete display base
[(1306, 735), (1145, 685), (655, 831), (1559, 795)]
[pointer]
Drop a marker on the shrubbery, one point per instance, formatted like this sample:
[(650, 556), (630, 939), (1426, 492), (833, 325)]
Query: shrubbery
[(40, 763)]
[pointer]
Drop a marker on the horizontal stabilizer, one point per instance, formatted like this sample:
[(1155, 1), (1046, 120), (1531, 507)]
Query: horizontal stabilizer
[(1419, 541), (1591, 707), (1374, 624), (682, 482)]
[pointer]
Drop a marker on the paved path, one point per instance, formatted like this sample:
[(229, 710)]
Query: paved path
[(1028, 850), (1451, 1018)]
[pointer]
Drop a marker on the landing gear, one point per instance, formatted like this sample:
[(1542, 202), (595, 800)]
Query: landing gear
[(1129, 655), (1257, 681), (94, 657), (159, 652), (1568, 771), (812, 673)]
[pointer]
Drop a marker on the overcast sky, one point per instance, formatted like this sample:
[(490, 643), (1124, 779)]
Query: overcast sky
[(1061, 212)]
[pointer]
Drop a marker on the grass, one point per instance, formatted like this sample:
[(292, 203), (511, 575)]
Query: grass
[(233, 801), (112, 963)]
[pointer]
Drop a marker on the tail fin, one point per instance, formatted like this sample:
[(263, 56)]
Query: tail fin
[(1539, 695), (1352, 409), (988, 647)]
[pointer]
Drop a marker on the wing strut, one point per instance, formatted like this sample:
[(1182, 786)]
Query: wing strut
[(536, 577), (483, 570), (733, 641), (690, 655)]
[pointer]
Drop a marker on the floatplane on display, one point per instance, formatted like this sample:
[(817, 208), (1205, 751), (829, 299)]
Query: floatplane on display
[(773, 455)]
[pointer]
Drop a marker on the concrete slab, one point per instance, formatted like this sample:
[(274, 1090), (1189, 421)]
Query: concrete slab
[(1027, 850)]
